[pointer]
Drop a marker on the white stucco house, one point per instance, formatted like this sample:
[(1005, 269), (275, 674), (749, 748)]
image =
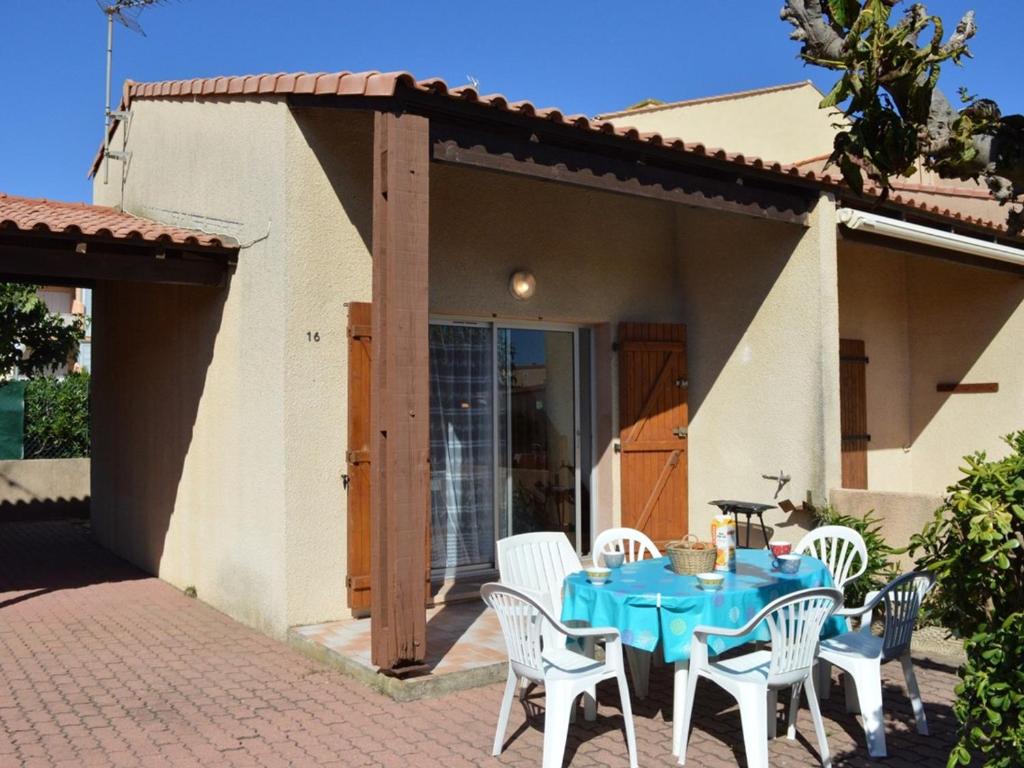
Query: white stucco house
[(454, 317)]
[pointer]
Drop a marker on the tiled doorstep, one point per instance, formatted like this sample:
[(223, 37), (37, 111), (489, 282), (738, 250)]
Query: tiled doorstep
[(465, 649)]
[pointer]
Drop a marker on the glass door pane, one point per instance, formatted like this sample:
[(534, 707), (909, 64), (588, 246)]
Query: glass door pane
[(461, 447), (537, 451)]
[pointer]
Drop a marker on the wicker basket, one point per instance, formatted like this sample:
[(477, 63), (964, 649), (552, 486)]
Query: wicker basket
[(686, 560)]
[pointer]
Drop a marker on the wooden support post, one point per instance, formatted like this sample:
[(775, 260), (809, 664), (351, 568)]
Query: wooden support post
[(400, 412)]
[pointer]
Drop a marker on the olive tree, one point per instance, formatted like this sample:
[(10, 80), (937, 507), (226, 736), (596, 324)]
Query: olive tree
[(896, 116)]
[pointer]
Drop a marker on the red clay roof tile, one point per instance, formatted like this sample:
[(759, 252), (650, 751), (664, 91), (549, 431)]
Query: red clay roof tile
[(40, 215), (383, 84)]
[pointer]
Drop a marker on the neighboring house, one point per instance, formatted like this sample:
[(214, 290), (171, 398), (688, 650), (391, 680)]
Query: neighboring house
[(70, 301), (680, 338)]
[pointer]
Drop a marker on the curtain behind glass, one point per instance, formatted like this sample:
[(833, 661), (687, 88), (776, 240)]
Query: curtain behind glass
[(461, 447)]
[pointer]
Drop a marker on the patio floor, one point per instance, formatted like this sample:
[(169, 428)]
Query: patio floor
[(101, 665), (464, 649)]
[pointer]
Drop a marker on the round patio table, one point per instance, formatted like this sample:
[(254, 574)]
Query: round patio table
[(651, 605)]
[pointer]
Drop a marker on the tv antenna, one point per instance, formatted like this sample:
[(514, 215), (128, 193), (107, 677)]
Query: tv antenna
[(125, 12)]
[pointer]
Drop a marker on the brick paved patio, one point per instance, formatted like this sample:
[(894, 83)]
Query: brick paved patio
[(101, 665)]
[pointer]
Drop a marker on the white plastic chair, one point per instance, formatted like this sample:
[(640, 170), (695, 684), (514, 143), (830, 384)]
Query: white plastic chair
[(634, 545), (565, 674), (861, 654), (794, 624), (538, 563), (845, 554), (838, 547)]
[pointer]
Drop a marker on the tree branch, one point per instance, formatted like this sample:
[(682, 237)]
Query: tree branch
[(821, 43)]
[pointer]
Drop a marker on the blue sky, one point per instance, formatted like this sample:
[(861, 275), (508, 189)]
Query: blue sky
[(582, 57)]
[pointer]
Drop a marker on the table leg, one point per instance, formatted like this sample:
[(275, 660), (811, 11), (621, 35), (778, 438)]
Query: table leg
[(680, 678), (764, 531)]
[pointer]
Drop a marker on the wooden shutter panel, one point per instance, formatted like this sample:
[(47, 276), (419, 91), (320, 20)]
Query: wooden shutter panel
[(853, 412), (653, 419), (358, 460), (358, 457)]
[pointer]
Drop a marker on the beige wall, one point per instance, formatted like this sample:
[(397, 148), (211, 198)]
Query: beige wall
[(926, 321), (901, 514), (784, 125), (224, 436), (873, 308), (760, 302), (188, 390), (40, 484)]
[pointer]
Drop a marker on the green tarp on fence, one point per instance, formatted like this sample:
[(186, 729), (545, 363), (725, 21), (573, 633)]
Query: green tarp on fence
[(12, 419)]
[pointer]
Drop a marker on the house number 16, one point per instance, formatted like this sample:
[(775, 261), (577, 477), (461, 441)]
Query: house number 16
[(312, 335)]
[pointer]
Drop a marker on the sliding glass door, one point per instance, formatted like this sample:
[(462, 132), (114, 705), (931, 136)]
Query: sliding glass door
[(537, 445), (461, 447), (509, 433)]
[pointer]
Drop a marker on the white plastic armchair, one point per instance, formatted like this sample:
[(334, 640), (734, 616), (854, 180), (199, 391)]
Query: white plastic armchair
[(634, 544), (861, 654), (840, 548), (845, 554), (538, 562), (565, 674), (794, 623)]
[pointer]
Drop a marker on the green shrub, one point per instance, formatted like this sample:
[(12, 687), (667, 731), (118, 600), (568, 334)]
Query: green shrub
[(57, 417), (880, 567), (974, 548)]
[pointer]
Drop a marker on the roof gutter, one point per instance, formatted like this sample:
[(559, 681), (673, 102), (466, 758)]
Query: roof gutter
[(872, 223)]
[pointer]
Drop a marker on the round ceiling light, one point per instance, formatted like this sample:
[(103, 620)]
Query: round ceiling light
[(522, 284)]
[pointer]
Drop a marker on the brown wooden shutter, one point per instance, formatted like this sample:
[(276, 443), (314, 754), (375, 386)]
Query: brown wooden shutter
[(358, 460), (358, 457), (653, 418), (853, 412)]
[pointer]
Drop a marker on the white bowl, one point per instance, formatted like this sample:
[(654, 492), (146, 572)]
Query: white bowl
[(710, 580), (598, 575)]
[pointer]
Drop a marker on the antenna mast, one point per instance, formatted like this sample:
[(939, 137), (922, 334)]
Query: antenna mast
[(119, 9)]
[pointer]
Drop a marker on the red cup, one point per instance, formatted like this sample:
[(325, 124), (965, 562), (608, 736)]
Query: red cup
[(780, 548)]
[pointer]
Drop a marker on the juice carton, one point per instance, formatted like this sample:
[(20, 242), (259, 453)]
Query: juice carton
[(723, 533)]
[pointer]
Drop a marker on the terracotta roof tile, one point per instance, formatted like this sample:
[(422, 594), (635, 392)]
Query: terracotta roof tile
[(39, 215), (384, 84)]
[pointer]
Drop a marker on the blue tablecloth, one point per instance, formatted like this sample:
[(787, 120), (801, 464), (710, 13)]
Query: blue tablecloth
[(650, 604)]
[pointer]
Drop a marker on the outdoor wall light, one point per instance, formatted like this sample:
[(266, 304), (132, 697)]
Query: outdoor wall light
[(522, 284)]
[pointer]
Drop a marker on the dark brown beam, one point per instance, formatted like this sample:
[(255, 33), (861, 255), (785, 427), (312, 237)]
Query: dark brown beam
[(48, 264), (503, 154), (930, 251), (400, 414)]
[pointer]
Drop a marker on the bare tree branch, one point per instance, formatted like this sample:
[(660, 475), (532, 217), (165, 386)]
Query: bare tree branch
[(821, 43)]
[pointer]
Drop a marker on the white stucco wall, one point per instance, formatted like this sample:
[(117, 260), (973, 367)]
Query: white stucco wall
[(783, 124), (760, 302), (189, 393), (873, 308), (926, 321)]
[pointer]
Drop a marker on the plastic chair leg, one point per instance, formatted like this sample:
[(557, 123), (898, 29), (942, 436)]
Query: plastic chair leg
[(823, 679), (868, 682), (627, 716), (686, 681), (915, 694), (772, 723), (850, 693), (506, 706), (753, 703), (558, 701), (794, 706), (640, 670), (819, 724)]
